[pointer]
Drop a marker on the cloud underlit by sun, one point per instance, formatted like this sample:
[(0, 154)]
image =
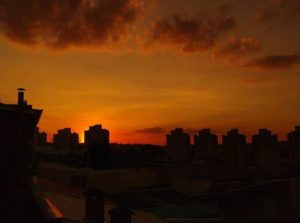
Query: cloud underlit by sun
[(141, 68)]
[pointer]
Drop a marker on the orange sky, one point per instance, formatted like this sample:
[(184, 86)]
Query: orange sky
[(143, 69)]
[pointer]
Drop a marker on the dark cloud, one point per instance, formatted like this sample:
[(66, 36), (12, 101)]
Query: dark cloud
[(279, 10), (225, 8), (275, 62), (238, 47), (64, 23), (188, 34), (154, 130), (266, 15)]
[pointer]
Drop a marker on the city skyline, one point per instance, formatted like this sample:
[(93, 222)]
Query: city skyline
[(152, 67), (192, 133), (150, 111)]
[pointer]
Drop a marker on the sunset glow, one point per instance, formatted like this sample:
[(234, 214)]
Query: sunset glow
[(145, 68)]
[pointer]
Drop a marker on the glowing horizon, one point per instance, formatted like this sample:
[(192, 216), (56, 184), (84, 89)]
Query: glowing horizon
[(134, 66)]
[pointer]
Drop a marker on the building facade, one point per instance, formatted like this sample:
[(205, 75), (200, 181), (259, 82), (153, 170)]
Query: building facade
[(65, 140), (234, 146), (96, 134), (178, 146), (294, 147), (265, 149), (17, 139), (41, 138), (206, 146)]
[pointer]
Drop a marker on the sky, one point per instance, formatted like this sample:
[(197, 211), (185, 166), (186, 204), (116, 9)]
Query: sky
[(141, 68)]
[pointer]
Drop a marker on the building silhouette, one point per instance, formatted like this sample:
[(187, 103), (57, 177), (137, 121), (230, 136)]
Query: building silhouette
[(294, 147), (96, 134), (65, 140), (96, 140), (94, 206), (234, 146), (266, 150), (17, 132), (41, 138), (206, 146), (269, 201), (120, 214), (178, 146)]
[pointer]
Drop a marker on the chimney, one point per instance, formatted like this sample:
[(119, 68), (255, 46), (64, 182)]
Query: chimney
[(120, 215), (21, 100), (94, 206)]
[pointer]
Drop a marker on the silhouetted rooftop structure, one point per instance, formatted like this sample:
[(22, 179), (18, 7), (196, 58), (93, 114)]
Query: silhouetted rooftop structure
[(41, 138), (120, 214), (66, 140), (17, 130), (96, 134), (178, 144), (94, 205), (234, 145), (266, 150), (206, 146), (294, 147)]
